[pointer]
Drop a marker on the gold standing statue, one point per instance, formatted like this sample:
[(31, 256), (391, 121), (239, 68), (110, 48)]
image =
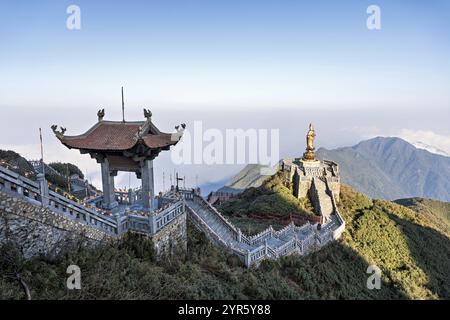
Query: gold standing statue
[(309, 155)]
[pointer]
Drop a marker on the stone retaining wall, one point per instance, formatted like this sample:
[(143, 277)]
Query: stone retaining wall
[(38, 230), (172, 238)]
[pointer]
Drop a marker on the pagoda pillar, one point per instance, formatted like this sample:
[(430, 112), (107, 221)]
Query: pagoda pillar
[(109, 199), (148, 193)]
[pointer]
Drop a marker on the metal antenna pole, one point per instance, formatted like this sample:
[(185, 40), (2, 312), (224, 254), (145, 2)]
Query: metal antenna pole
[(68, 178), (164, 182), (123, 107), (42, 152)]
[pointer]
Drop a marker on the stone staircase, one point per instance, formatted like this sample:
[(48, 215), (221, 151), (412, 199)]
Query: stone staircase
[(213, 222), (268, 244), (322, 198)]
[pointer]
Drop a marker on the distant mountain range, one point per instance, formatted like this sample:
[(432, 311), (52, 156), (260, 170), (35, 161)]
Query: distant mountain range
[(391, 168), (386, 168)]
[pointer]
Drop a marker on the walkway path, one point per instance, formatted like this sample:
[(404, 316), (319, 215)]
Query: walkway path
[(268, 244)]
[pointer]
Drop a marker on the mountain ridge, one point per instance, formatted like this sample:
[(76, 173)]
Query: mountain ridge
[(382, 167), (392, 168)]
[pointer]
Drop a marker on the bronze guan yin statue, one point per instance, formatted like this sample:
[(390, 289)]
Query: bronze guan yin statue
[(309, 154)]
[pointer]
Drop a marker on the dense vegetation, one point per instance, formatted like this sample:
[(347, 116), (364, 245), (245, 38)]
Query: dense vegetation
[(436, 211), (66, 169), (413, 255), (13, 161), (61, 180), (411, 250)]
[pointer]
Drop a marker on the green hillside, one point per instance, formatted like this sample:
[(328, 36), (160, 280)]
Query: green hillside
[(66, 169), (269, 204), (433, 210), (15, 162), (412, 253)]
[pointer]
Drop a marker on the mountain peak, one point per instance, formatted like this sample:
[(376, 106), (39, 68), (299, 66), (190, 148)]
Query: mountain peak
[(392, 168), (385, 141)]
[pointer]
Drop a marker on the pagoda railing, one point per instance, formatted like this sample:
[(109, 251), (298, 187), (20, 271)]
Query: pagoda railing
[(164, 217)]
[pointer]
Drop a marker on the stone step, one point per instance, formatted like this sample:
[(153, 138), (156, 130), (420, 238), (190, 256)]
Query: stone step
[(325, 203)]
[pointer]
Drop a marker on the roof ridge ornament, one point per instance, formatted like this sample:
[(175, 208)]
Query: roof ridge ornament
[(144, 128), (58, 134), (100, 114), (177, 135), (147, 114)]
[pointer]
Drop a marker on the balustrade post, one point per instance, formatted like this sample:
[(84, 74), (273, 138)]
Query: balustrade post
[(7, 186), (43, 187), (131, 196)]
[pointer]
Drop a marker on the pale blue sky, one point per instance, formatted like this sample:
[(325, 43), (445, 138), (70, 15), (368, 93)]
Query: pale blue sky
[(232, 64), (241, 54)]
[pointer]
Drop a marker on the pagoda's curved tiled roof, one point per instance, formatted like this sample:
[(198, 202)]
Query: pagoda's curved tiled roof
[(117, 136), (158, 140)]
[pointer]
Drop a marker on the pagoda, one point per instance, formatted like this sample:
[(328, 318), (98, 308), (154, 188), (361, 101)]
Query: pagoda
[(129, 146)]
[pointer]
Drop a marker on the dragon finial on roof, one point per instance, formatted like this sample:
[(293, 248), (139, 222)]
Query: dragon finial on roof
[(147, 114), (59, 134), (177, 135), (100, 114)]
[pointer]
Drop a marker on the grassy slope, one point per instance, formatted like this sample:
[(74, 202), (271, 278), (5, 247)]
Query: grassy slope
[(270, 204), (414, 258), (412, 251), (433, 210)]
